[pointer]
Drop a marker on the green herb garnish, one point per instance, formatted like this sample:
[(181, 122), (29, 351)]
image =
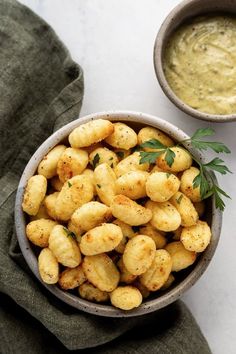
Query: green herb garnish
[(120, 154), (168, 175), (99, 185), (96, 160), (179, 199), (69, 233), (203, 180), (69, 184)]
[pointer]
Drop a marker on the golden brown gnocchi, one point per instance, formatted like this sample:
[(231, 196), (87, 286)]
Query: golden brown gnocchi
[(75, 192), (103, 155), (129, 211), (181, 258), (125, 275), (161, 186), (105, 182), (123, 137), (132, 184), (157, 274), (71, 278), (182, 160), (149, 133), (91, 293), (139, 254), (90, 215), (185, 207), (158, 238), (38, 231), (35, 192), (165, 216), (186, 185), (126, 297), (197, 237), (101, 239), (90, 133), (64, 247), (48, 266), (50, 204), (130, 163), (101, 272), (48, 166), (72, 162)]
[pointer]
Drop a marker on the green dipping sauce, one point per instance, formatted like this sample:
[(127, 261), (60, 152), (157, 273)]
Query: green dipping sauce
[(200, 63)]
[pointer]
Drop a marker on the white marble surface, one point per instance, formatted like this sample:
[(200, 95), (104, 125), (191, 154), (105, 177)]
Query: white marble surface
[(113, 41)]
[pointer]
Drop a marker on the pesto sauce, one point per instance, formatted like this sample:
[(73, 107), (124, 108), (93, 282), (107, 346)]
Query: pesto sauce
[(200, 63)]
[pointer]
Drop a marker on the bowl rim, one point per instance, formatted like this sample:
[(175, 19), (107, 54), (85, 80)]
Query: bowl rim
[(158, 66), (106, 310)]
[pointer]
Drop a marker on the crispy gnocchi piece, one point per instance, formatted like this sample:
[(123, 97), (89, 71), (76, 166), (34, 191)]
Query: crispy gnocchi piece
[(165, 216), (93, 147), (129, 211), (103, 155), (50, 204), (186, 185), (126, 297), (200, 208), (157, 169), (90, 215), (125, 228), (101, 239), (123, 137), (157, 274), (132, 184), (38, 231), (64, 247), (125, 275), (158, 238), (101, 272), (181, 258), (41, 214), (90, 133), (139, 254), (185, 207), (89, 292), (34, 194), (48, 266), (148, 133), (121, 246), (71, 278), (196, 238), (75, 192), (105, 180), (72, 162), (56, 183), (161, 186), (169, 282), (182, 160), (130, 163), (48, 166)]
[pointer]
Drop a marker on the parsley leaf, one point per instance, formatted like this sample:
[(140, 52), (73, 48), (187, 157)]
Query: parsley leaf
[(69, 184), (200, 133), (149, 157), (216, 165), (96, 160), (153, 144), (69, 233), (169, 157)]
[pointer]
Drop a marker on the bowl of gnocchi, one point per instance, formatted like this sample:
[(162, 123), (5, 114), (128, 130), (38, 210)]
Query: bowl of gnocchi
[(107, 216)]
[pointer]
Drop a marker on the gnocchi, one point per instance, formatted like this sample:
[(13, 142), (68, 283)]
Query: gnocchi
[(35, 192), (111, 223)]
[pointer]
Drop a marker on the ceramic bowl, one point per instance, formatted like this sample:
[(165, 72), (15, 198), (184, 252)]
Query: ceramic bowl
[(184, 11), (158, 300)]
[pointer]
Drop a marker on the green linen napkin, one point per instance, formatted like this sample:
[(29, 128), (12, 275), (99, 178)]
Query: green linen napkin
[(41, 89)]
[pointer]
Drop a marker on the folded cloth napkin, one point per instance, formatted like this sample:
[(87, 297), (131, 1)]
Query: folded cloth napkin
[(41, 89)]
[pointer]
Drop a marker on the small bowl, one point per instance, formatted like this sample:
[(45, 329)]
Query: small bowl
[(185, 11), (158, 300)]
